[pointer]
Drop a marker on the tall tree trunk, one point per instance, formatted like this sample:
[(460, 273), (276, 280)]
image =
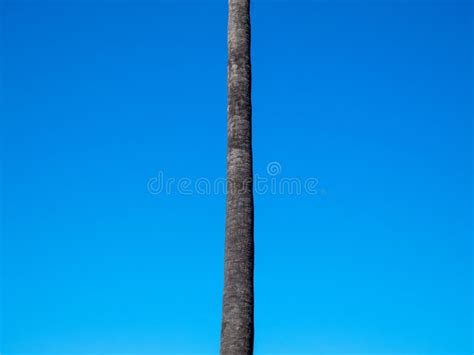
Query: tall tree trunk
[(237, 314)]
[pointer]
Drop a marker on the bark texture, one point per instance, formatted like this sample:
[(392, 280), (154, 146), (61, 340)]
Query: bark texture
[(237, 330)]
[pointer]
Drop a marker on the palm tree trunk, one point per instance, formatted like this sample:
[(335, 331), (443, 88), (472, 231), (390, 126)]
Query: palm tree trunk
[(237, 314)]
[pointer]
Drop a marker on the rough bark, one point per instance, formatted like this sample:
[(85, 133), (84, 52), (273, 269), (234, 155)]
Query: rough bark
[(237, 330)]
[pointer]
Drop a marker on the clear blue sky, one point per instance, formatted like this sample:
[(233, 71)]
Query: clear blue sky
[(372, 98)]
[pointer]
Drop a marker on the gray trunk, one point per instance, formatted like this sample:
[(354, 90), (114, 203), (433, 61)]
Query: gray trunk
[(237, 314)]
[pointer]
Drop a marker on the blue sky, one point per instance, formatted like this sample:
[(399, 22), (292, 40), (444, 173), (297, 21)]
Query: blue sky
[(374, 99)]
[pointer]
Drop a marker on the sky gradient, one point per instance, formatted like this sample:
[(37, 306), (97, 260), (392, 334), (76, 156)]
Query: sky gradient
[(374, 99)]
